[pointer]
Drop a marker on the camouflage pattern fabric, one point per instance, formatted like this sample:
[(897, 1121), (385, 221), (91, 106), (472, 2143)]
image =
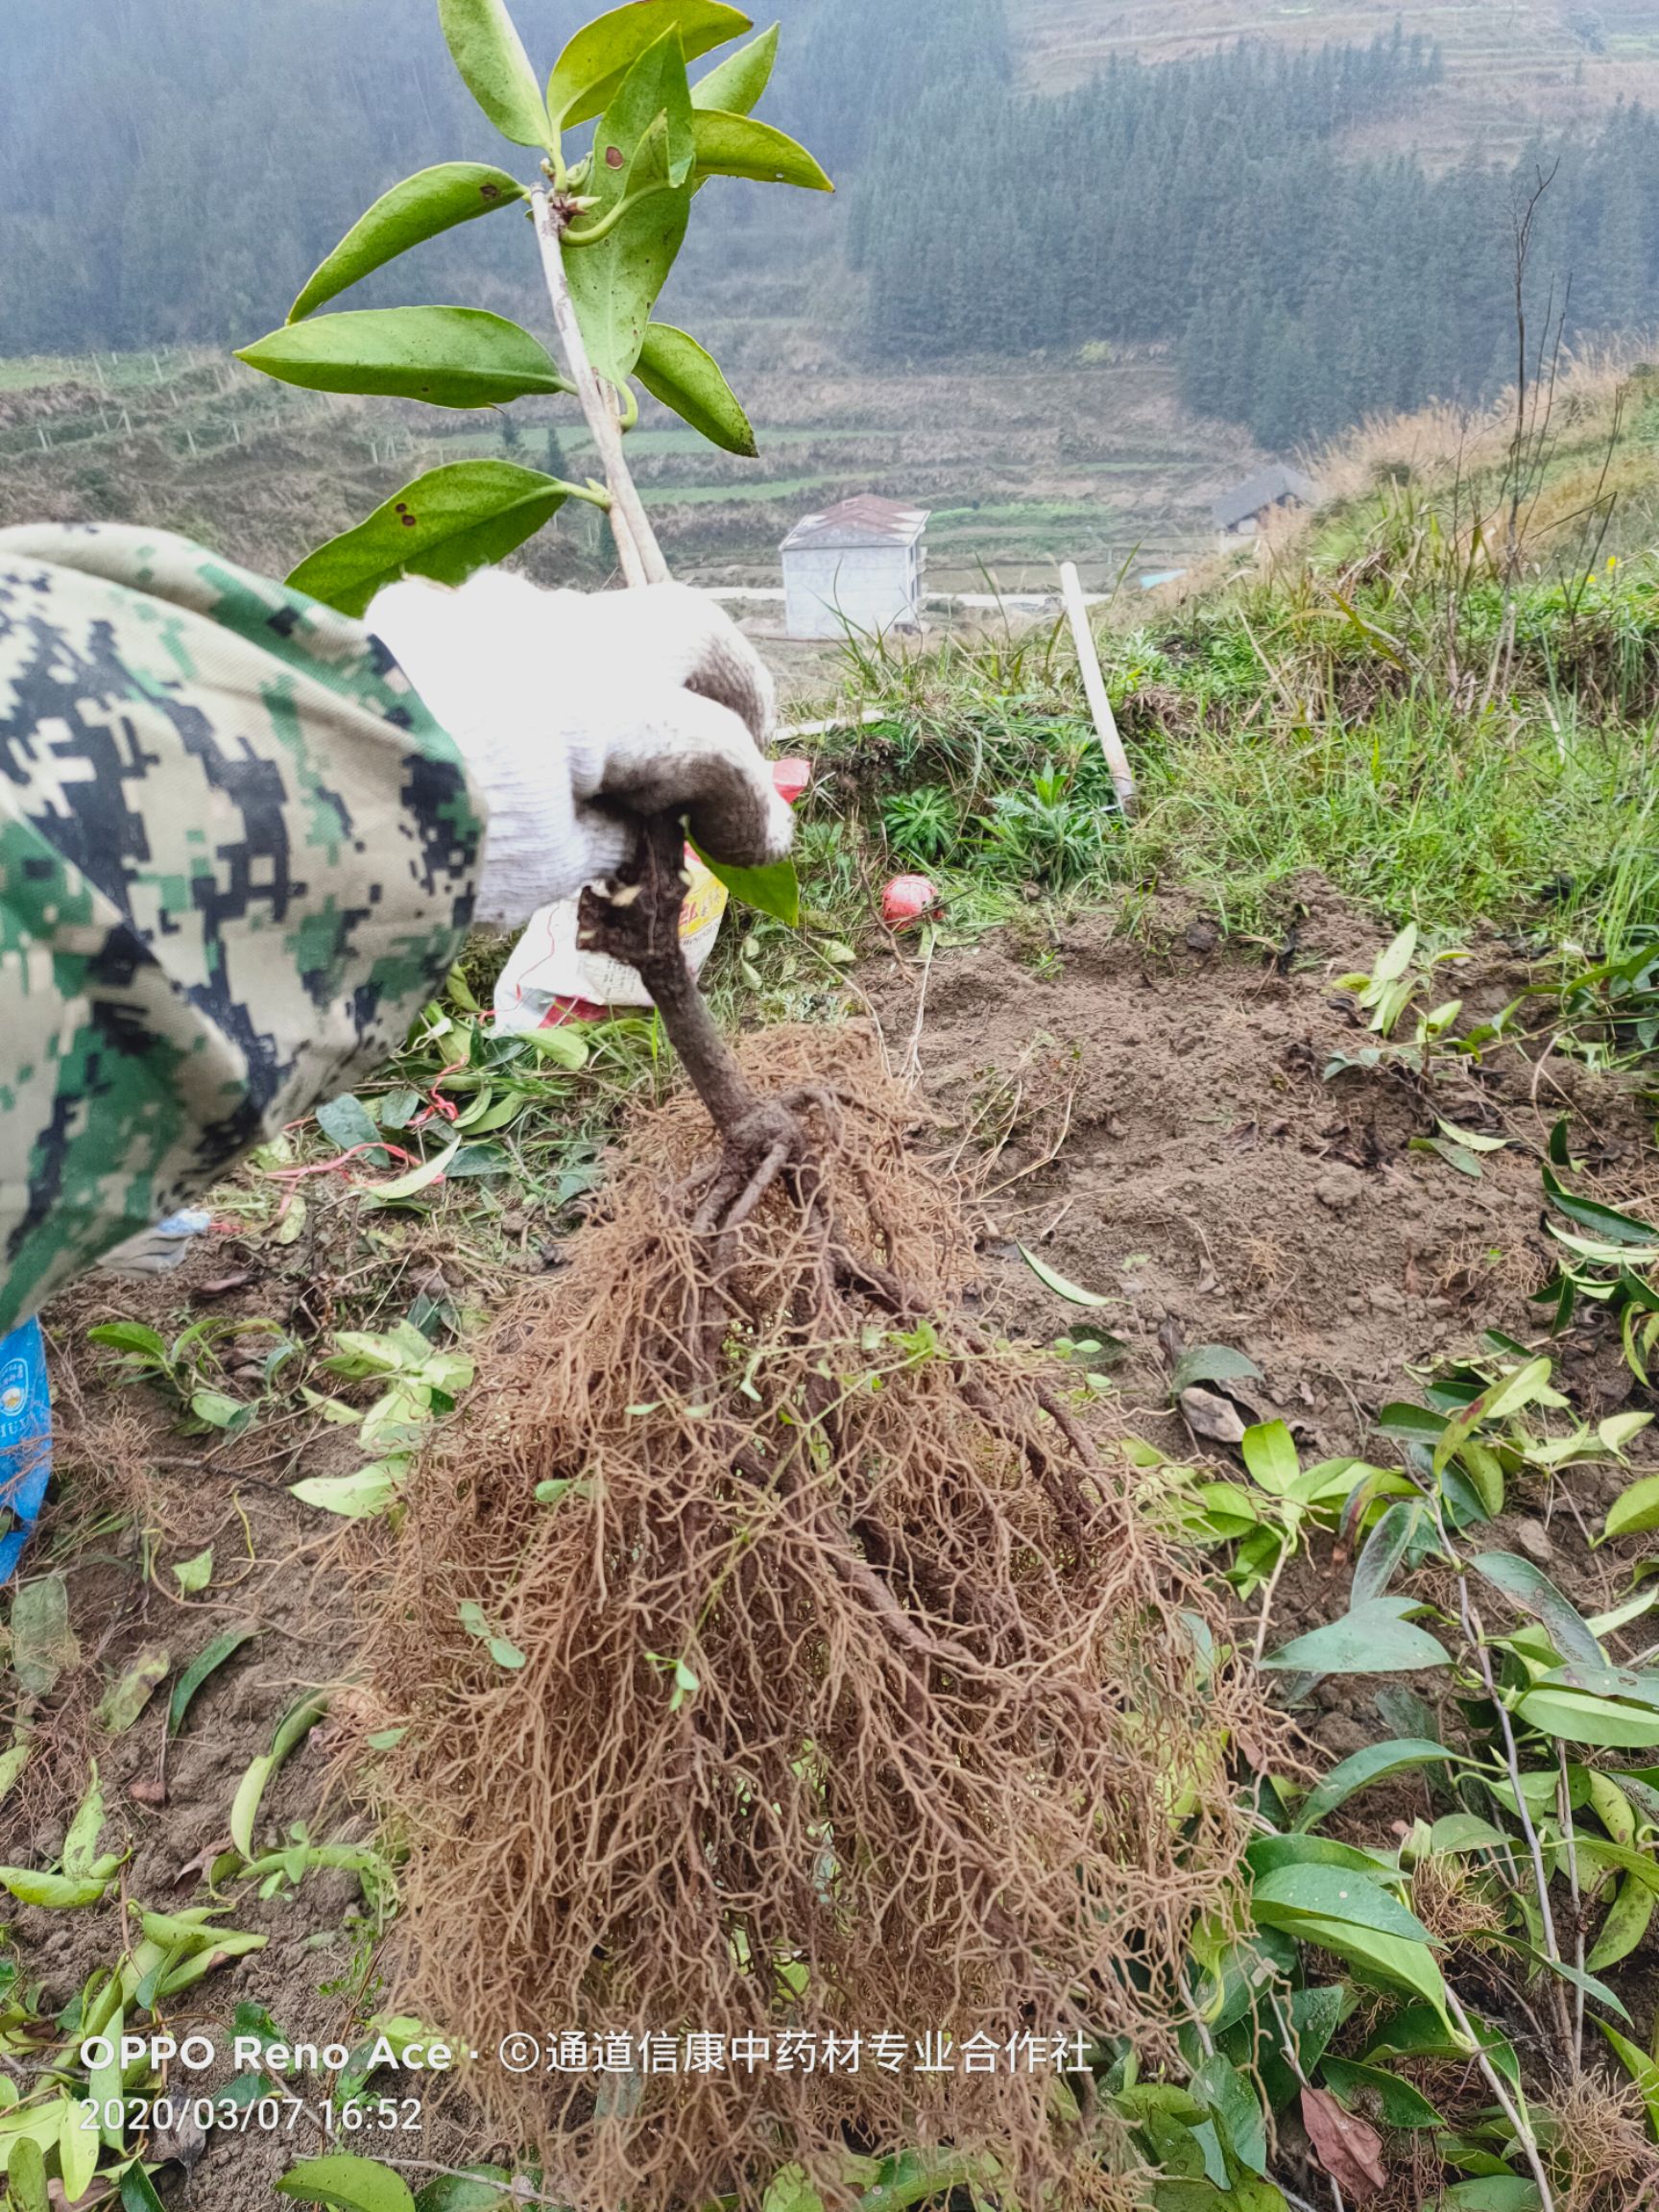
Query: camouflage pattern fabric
[(236, 857)]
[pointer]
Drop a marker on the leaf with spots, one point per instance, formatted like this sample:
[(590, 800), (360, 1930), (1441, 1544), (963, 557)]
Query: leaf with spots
[(420, 207), (445, 524)]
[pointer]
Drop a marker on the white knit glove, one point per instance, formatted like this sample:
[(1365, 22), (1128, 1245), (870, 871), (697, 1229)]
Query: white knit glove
[(578, 712)]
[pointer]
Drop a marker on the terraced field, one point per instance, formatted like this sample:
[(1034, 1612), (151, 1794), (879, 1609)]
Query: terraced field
[(1023, 465), (1508, 61)]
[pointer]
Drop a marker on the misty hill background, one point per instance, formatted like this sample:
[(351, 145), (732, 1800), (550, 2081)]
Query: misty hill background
[(1311, 231)]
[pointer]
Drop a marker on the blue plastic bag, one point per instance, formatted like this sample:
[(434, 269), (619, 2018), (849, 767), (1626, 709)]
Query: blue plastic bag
[(25, 1439)]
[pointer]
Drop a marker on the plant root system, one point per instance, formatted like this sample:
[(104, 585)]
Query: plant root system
[(781, 1661)]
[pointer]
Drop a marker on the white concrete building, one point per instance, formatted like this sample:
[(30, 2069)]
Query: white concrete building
[(858, 565)]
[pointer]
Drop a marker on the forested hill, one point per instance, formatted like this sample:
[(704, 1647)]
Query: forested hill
[(1210, 204), (171, 170)]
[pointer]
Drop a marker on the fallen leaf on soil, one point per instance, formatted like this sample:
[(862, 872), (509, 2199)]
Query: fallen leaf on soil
[(203, 1863), (1350, 2149), (1207, 1413)]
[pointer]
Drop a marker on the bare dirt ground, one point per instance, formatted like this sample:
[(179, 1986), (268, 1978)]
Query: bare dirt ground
[(1147, 1111)]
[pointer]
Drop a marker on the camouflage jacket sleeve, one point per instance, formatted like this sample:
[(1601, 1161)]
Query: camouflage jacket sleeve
[(236, 857)]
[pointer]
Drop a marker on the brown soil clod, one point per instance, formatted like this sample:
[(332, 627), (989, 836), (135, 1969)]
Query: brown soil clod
[(852, 1692)]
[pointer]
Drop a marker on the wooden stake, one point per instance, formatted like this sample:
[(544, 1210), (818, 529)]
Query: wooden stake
[(1095, 687)]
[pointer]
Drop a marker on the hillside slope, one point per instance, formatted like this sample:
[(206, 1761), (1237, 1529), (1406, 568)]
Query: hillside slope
[(1509, 62)]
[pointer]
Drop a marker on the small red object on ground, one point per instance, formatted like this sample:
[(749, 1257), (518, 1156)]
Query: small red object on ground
[(907, 898), (791, 776)]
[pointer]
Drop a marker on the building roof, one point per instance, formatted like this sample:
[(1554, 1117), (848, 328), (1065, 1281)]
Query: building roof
[(866, 521), (1267, 488)]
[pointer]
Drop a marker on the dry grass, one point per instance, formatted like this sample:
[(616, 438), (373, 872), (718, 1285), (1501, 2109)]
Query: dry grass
[(857, 1692)]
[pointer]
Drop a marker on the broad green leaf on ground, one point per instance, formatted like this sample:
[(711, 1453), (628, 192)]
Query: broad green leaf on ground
[(774, 890), (447, 524), (1508, 1395), (738, 84), (207, 1663), (194, 1574), (81, 1843), (1212, 1364), (496, 69), (1376, 1763), (1491, 2192), (589, 72), (1635, 1510), (1529, 1587), (675, 370), (1578, 1717), (1606, 1221), (295, 1724), (1236, 2110), (1400, 2104), (739, 146), (356, 1497), (479, 2189), (420, 207), (26, 2178), (444, 357), (417, 1180), (1062, 1285), (1374, 1639), (642, 154), (346, 1120), (53, 1893), (1270, 1456), (1383, 1551), (43, 1645), (348, 2183), (126, 1697), (1642, 2070), (1290, 1894)]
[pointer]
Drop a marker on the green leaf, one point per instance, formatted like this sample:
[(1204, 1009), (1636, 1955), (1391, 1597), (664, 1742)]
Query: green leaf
[(1383, 1548), (418, 1179), (351, 2183), (447, 524), (675, 370), (1374, 1639), (1578, 1717), (1642, 2070), (1236, 2110), (737, 86), (480, 2189), (774, 890), (1457, 1156), (207, 1663), (1627, 1923), (1212, 1364), (1518, 1578), (1491, 2192), (496, 69), (193, 1574), (347, 1122), (43, 1645), (1607, 1223), (81, 1843), (53, 1893), (127, 1698), (356, 1497), (420, 207), (129, 1337), (26, 2176), (296, 1723), (739, 146), (645, 133), (1051, 1279), (1376, 1763), (1635, 1510), (1391, 1960), (1287, 1896), (1508, 1395), (1402, 2105), (1270, 1456), (589, 72), (445, 356)]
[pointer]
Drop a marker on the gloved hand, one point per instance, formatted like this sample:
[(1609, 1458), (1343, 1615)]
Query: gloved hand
[(157, 1251), (579, 712)]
